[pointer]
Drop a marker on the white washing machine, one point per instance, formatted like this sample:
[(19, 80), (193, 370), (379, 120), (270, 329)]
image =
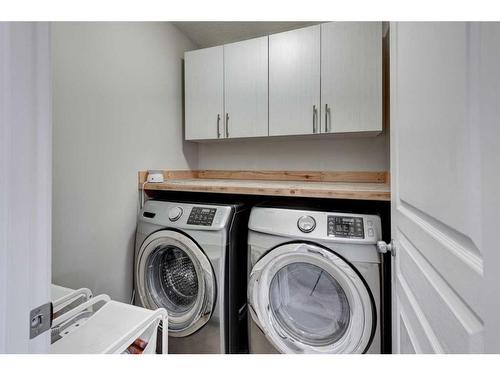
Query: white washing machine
[(314, 282), (186, 261)]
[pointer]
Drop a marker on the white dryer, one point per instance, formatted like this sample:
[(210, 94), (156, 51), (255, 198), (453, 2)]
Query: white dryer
[(187, 261), (314, 282)]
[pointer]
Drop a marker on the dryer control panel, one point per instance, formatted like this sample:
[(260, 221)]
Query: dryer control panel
[(341, 227), (346, 226)]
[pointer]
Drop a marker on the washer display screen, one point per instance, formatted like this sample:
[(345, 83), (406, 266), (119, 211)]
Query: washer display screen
[(201, 216)]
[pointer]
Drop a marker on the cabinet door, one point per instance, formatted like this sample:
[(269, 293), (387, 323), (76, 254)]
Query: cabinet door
[(294, 82), (351, 77), (245, 88), (204, 85)]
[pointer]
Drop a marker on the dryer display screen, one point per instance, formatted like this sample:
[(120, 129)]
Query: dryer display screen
[(345, 226), (201, 216)]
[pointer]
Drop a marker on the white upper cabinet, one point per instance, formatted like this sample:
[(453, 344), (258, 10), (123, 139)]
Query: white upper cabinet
[(246, 88), (321, 79), (294, 82), (204, 93), (351, 77)]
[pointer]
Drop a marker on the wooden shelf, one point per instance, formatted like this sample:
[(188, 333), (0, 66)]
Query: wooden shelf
[(341, 185)]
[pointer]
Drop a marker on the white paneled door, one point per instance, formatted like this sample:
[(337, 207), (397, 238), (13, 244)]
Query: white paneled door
[(294, 82), (351, 77), (445, 181), (26, 183), (204, 93), (245, 88)]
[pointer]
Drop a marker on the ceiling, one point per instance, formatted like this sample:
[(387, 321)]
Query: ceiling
[(208, 34)]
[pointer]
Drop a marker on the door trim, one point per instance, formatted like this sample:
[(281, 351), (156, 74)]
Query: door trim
[(26, 183)]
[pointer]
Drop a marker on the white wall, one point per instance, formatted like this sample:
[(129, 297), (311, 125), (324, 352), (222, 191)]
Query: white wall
[(334, 154), (117, 109)]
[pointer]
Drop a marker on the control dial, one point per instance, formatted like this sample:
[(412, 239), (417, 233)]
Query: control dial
[(306, 224), (175, 213)]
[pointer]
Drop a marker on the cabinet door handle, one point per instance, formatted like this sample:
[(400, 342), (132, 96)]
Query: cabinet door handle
[(327, 128), (315, 112), (218, 125), (227, 125)]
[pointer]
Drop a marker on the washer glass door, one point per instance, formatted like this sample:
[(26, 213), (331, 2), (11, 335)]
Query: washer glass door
[(173, 272), (306, 299), (172, 279)]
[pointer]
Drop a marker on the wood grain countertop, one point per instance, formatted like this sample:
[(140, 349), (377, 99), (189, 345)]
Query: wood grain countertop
[(313, 184)]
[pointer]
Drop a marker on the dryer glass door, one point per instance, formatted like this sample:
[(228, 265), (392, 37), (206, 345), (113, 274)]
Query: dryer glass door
[(306, 299), (309, 304), (173, 272)]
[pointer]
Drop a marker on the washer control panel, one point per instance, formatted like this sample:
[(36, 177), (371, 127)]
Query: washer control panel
[(346, 227), (201, 216)]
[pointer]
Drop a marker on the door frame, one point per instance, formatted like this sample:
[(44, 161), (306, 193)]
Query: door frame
[(393, 175), (26, 182)]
